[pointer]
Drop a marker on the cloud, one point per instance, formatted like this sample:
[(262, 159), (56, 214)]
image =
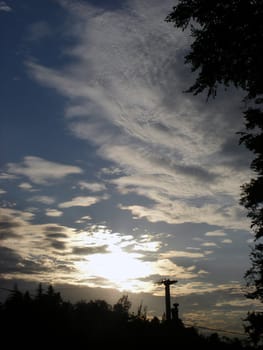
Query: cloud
[(5, 176), (89, 250), (92, 186), (52, 251), (203, 288), (239, 303), (57, 244), (12, 263), (209, 244), (11, 221), (41, 171), (54, 228), (42, 199), (153, 246), (176, 212), (181, 254), (216, 233), (202, 272), (4, 7), (165, 267), (83, 219), (99, 257), (169, 147), (9, 260), (25, 186), (227, 241), (53, 212), (54, 235), (81, 201)]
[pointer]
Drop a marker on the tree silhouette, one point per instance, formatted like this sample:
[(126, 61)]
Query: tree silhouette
[(227, 46), (227, 49), (46, 317), (122, 306)]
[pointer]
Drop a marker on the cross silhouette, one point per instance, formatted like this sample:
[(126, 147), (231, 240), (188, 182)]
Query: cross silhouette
[(167, 282)]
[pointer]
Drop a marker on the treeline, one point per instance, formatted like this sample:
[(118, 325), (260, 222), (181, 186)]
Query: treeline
[(45, 318)]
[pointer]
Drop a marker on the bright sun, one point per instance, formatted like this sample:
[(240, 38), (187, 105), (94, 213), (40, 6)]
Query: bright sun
[(120, 268)]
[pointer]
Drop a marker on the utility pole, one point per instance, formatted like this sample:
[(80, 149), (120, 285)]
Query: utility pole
[(167, 284)]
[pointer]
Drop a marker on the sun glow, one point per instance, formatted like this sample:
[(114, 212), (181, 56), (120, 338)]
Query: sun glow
[(107, 259), (122, 270)]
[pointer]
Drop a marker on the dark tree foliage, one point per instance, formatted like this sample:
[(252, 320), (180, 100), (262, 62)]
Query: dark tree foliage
[(45, 320), (228, 42), (227, 49), (252, 196)]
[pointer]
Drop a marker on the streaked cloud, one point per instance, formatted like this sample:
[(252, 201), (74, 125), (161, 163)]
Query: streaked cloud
[(6, 176), (176, 212), (209, 244), (81, 201), (25, 186), (147, 246), (227, 241), (83, 219), (163, 142), (10, 213), (96, 252), (92, 186), (243, 303), (54, 212), (41, 171), (199, 287), (12, 221), (89, 250), (181, 254), (202, 272), (165, 267), (216, 233)]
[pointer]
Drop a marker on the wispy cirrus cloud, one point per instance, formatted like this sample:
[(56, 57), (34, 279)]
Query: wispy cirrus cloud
[(135, 113)]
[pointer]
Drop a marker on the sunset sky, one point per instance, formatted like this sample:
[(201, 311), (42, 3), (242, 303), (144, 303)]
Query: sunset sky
[(111, 177)]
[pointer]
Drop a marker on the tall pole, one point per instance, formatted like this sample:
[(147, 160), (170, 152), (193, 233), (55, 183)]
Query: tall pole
[(167, 302), (167, 284)]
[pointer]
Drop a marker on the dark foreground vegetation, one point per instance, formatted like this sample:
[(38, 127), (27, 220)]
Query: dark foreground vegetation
[(45, 319), (226, 50)]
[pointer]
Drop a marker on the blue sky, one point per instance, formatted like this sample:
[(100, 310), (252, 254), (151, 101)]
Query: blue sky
[(111, 176)]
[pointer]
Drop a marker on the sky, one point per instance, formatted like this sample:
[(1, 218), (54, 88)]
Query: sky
[(111, 176)]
